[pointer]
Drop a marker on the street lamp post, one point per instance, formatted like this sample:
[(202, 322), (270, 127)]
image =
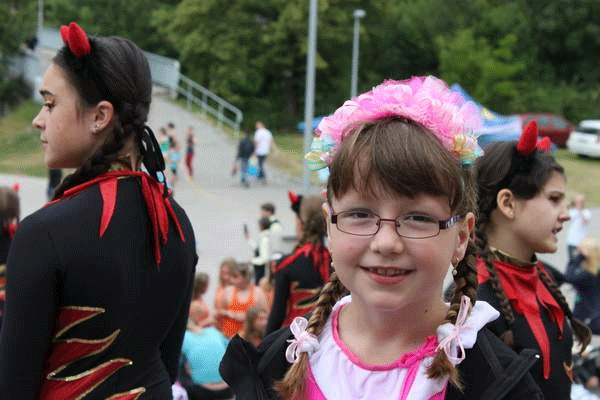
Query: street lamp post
[(309, 97), (358, 15)]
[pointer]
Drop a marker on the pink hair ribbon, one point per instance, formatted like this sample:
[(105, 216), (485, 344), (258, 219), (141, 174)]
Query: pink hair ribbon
[(452, 344), (303, 341)]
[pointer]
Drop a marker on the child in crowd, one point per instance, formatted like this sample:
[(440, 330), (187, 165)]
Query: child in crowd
[(580, 218), (275, 228), (261, 249), (521, 210), (199, 312), (173, 157), (254, 326), (400, 211), (224, 281), (299, 277), (241, 296)]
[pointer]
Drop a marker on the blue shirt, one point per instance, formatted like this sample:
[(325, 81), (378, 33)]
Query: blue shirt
[(204, 351)]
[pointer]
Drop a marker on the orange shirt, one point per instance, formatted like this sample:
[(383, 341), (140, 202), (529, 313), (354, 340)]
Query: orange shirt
[(231, 326)]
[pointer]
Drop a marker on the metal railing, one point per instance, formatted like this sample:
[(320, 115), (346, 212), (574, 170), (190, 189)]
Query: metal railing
[(210, 103)]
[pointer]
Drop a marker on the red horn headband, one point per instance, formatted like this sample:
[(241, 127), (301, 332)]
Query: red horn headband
[(75, 39), (528, 142), (293, 197)]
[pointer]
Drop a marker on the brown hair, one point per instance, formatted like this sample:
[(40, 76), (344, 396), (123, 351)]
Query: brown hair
[(403, 158), (200, 285), (311, 215), (10, 208), (242, 269), (502, 167)]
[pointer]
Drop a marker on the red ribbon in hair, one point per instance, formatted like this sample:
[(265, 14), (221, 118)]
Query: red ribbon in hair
[(75, 39), (159, 207), (528, 142)]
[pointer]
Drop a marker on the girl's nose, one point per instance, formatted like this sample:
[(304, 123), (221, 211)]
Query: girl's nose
[(387, 240), (37, 121)]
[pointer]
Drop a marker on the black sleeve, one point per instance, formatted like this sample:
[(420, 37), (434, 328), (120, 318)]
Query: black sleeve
[(280, 300), (170, 349), (577, 275), (239, 151), (30, 309)]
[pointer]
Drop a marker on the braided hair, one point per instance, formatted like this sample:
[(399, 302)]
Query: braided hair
[(408, 160), (116, 70), (503, 167)]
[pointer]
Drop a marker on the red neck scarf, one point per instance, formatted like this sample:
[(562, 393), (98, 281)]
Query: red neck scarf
[(158, 206), (526, 293)]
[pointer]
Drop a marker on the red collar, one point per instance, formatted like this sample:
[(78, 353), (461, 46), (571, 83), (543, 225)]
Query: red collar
[(159, 207), (526, 293), (319, 257)]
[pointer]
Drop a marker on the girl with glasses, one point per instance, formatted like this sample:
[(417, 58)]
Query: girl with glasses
[(400, 214), (522, 207), (99, 280)]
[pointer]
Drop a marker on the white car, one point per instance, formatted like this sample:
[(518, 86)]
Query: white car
[(585, 139)]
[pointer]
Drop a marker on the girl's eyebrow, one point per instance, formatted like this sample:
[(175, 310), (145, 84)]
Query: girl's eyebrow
[(45, 93)]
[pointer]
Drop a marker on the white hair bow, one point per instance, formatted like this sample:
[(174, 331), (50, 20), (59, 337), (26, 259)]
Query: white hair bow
[(302, 342)]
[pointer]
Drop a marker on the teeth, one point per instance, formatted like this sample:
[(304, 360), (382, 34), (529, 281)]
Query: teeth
[(389, 271)]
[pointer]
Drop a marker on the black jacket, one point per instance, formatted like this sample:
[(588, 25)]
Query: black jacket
[(490, 371)]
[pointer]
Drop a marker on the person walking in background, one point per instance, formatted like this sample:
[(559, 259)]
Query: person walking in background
[(190, 144), (580, 218), (100, 279), (244, 152), (173, 157), (263, 139), (299, 277), (521, 209), (400, 212)]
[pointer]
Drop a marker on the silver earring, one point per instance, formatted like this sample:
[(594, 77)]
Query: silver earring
[(454, 271)]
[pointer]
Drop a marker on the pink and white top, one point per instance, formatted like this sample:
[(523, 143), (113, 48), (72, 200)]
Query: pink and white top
[(336, 373)]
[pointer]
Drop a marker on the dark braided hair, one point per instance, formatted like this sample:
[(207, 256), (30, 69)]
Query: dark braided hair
[(117, 71), (502, 167)]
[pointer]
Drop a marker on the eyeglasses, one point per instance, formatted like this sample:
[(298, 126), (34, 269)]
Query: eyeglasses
[(413, 226)]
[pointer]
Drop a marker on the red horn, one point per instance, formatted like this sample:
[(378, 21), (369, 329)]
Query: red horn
[(76, 39), (544, 144), (293, 197), (528, 139), (16, 187)]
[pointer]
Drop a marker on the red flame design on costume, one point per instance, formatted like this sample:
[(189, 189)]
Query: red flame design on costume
[(75, 39)]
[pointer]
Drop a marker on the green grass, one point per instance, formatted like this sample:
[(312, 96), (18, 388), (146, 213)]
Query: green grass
[(583, 175), (20, 149)]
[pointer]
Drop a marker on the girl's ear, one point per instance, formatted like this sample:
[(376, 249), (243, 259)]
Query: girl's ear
[(506, 201), (465, 233), (102, 116)]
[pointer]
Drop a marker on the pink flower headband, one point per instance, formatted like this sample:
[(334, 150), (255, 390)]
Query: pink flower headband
[(425, 100)]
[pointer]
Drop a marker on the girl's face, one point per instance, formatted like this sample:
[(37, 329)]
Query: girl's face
[(260, 323), (239, 281), (538, 220), (390, 272), (67, 135), (224, 274)]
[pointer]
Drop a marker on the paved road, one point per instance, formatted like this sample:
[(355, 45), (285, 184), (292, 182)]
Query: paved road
[(215, 202)]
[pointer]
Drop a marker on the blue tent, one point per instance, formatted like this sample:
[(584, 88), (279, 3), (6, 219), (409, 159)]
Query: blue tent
[(495, 127)]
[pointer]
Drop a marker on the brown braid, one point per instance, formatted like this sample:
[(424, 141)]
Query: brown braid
[(292, 387), (484, 252), (465, 280), (582, 331)]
